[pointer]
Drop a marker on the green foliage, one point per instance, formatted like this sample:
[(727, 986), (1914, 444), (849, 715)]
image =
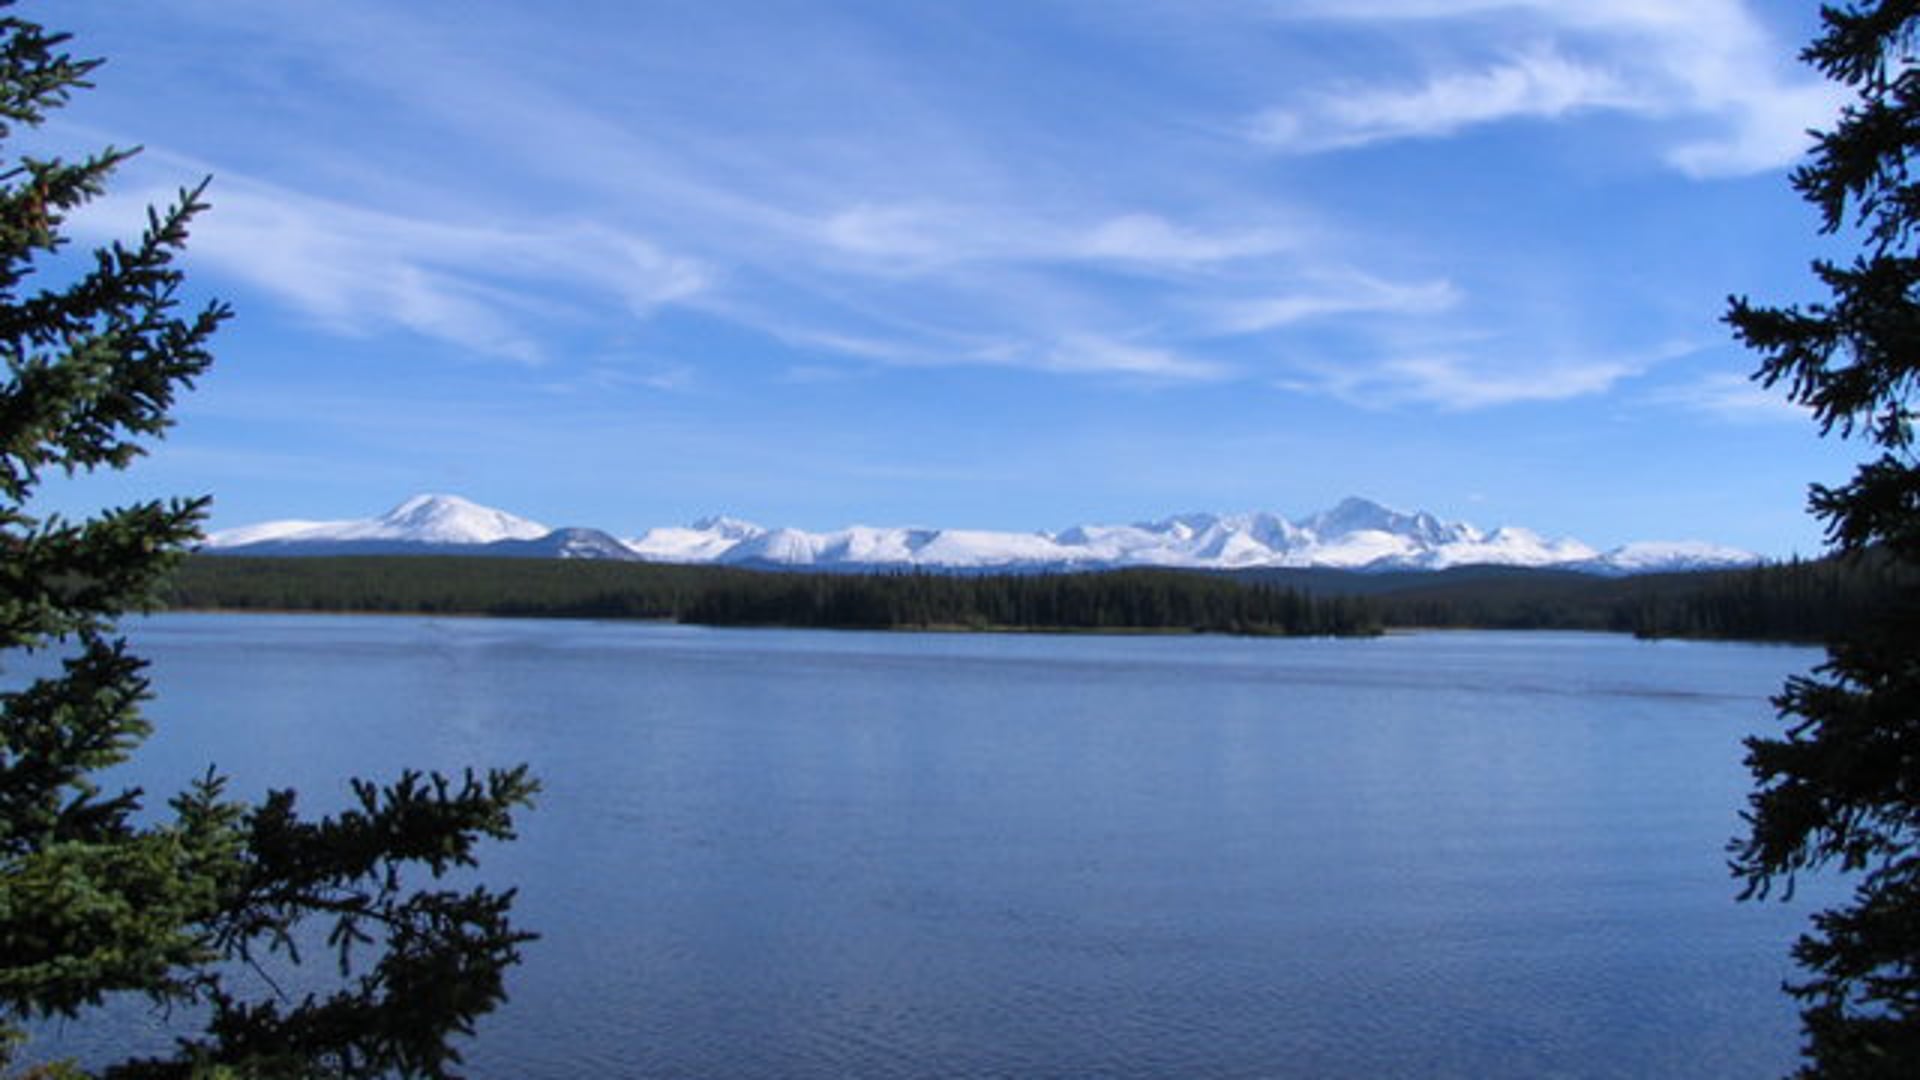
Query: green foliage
[(98, 893), (1842, 787)]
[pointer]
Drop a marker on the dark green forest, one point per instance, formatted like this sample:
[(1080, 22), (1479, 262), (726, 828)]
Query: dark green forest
[(1146, 600), (1800, 601), (1795, 601)]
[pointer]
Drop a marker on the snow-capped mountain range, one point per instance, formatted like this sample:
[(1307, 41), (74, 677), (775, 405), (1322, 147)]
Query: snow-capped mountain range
[(1355, 535)]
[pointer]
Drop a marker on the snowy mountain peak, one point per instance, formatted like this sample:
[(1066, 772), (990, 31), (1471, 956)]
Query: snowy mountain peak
[(727, 526), (1356, 515), (450, 519), (1352, 514), (428, 506)]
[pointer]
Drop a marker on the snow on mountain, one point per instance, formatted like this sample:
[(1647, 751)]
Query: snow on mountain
[(423, 519), (562, 544), (1119, 545), (1357, 534), (1226, 547), (1362, 516), (863, 544), (1653, 556), (1512, 546), (787, 547), (973, 548), (705, 540), (1361, 549), (270, 532), (449, 519)]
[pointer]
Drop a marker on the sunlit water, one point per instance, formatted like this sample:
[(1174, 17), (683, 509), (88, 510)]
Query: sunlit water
[(804, 854)]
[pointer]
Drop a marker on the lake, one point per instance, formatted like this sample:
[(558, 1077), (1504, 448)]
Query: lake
[(814, 854)]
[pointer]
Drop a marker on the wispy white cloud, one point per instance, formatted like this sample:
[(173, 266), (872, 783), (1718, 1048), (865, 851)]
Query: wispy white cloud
[(1453, 383), (1088, 354), (1331, 293), (918, 235), (1540, 84), (1464, 371), (1764, 130), (1124, 353), (660, 378), (914, 232), (1149, 238), (1704, 62), (1459, 379), (1091, 355), (356, 270), (1730, 397), (1762, 121), (937, 284)]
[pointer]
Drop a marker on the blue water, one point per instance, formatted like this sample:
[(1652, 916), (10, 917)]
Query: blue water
[(804, 854)]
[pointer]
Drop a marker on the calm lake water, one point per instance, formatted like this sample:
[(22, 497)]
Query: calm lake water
[(807, 854)]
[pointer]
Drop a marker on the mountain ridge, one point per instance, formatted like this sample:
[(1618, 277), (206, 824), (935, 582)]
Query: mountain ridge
[(1356, 534)]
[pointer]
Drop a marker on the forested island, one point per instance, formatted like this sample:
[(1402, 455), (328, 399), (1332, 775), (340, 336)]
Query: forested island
[(1794, 601)]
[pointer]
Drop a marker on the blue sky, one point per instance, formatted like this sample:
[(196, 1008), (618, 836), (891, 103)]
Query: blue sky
[(1010, 264)]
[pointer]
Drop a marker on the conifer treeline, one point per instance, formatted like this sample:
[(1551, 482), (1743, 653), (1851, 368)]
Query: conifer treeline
[(441, 585), (1796, 601), (1111, 600), (1802, 601), (719, 596)]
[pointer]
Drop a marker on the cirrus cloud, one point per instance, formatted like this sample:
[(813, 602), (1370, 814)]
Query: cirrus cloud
[(1705, 63), (356, 270)]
